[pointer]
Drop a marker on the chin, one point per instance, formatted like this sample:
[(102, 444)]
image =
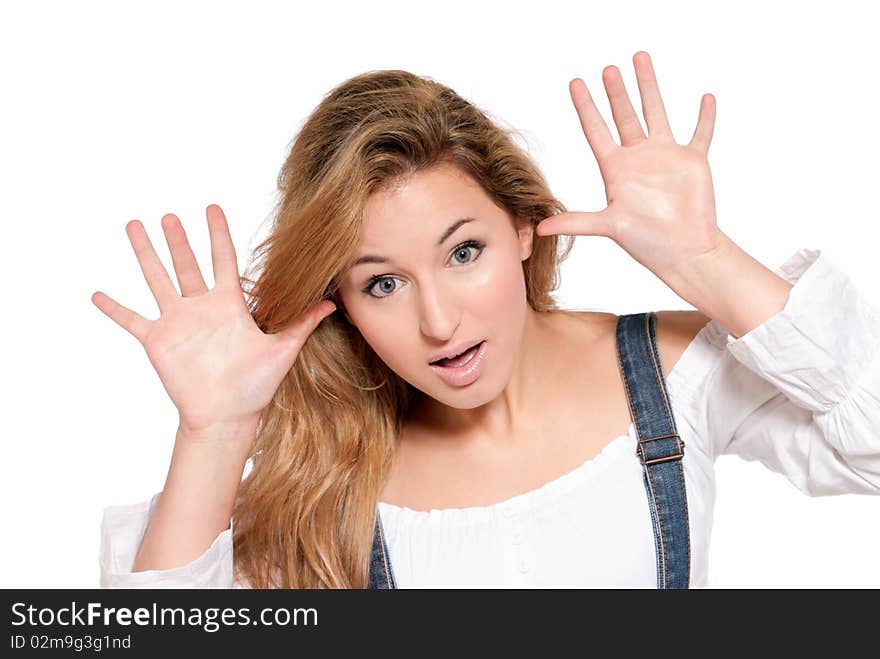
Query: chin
[(465, 398), (466, 402)]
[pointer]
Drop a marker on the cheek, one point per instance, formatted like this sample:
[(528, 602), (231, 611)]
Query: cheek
[(387, 339), (498, 292), (390, 347), (378, 334)]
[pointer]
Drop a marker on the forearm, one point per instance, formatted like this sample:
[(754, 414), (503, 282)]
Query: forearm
[(197, 501), (732, 288)]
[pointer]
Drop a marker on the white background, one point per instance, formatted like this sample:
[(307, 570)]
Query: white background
[(116, 111)]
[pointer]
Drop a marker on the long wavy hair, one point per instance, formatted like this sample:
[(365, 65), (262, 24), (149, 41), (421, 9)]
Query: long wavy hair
[(305, 513)]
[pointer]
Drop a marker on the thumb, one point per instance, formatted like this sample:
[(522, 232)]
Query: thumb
[(576, 223), (296, 333)]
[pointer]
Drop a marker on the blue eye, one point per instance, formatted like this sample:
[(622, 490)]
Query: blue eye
[(464, 247), (376, 280)]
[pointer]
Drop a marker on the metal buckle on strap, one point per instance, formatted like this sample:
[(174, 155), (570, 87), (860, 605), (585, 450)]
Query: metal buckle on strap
[(677, 456)]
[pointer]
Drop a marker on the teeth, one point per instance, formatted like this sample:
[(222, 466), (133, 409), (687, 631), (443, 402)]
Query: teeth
[(459, 361)]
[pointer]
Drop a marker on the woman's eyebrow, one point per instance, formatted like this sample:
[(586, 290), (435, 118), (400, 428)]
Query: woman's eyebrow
[(452, 228)]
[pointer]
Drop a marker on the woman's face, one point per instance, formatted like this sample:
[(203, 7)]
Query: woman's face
[(438, 290)]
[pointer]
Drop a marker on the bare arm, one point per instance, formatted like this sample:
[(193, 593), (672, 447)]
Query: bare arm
[(220, 370), (198, 497)]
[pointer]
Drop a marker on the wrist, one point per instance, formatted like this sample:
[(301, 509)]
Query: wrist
[(220, 451), (696, 279), (221, 433), (731, 287)]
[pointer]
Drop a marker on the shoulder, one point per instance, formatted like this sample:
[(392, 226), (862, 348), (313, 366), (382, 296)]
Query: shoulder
[(675, 330)]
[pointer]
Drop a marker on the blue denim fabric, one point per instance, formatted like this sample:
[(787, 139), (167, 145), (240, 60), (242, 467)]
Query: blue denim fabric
[(659, 449), (381, 575)]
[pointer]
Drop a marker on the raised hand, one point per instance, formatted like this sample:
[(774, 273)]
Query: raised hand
[(661, 202), (218, 367)]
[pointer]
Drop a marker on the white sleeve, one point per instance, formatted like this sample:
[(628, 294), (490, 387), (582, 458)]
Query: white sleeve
[(800, 393), (123, 528)]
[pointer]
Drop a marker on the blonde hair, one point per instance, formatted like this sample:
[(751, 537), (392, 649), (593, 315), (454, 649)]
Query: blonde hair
[(304, 515)]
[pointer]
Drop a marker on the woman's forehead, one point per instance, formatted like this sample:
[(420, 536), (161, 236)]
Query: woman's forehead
[(423, 206)]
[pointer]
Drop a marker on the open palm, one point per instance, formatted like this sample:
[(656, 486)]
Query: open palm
[(217, 366), (661, 202)]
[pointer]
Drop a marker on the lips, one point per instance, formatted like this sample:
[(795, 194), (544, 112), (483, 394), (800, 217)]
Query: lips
[(464, 370), (458, 354)]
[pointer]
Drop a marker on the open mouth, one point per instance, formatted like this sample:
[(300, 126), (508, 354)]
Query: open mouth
[(461, 359)]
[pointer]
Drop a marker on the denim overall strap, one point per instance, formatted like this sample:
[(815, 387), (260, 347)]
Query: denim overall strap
[(381, 575), (659, 448)]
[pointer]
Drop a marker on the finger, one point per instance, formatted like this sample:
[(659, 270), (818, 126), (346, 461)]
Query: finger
[(294, 336), (652, 103), (130, 321), (705, 124), (185, 265), (154, 272), (576, 224), (625, 118), (595, 129), (222, 249)]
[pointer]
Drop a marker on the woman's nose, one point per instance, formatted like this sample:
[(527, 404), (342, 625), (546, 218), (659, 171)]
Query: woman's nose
[(439, 313)]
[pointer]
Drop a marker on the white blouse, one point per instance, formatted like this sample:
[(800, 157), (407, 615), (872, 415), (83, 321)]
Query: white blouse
[(800, 393)]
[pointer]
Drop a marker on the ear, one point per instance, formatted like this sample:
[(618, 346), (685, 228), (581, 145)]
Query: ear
[(526, 232)]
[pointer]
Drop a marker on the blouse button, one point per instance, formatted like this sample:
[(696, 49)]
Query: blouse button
[(517, 537), (523, 566)]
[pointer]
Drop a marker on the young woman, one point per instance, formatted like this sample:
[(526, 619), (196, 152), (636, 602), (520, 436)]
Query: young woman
[(550, 448)]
